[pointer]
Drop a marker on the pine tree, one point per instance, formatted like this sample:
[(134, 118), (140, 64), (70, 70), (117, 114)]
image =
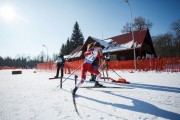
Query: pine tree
[(66, 48), (69, 47), (62, 50), (77, 38)]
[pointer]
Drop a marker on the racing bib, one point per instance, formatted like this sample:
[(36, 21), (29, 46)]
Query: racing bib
[(90, 58)]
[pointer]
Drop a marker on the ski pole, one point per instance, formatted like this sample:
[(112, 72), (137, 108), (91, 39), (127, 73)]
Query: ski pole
[(114, 71), (73, 72), (104, 66), (61, 82)]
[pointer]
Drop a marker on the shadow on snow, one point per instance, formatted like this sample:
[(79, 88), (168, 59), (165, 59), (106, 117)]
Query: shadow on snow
[(138, 106), (150, 87)]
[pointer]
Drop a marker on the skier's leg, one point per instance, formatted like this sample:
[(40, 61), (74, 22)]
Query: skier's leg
[(62, 71), (97, 81), (93, 77), (96, 72), (77, 86), (83, 77), (57, 72), (98, 76)]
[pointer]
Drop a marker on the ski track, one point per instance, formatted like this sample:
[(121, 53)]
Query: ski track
[(32, 96), (87, 101)]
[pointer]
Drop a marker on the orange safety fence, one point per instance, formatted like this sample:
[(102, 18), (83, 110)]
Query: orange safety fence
[(6, 67), (68, 66), (158, 64)]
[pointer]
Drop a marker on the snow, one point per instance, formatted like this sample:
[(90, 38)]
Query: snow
[(76, 54), (113, 46), (128, 44), (102, 42), (32, 96), (109, 40)]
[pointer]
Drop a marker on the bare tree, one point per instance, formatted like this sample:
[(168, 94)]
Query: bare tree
[(139, 23), (175, 28), (126, 28), (54, 58), (163, 45), (41, 57)]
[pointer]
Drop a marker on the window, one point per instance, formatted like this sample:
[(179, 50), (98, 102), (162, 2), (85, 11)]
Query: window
[(113, 57), (122, 58)]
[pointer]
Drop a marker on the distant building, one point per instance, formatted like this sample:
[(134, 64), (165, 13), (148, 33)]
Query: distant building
[(120, 47)]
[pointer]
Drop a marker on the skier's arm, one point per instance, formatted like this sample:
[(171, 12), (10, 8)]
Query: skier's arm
[(100, 56), (87, 53)]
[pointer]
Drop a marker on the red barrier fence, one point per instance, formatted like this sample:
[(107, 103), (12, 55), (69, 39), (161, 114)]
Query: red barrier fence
[(6, 67), (158, 64)]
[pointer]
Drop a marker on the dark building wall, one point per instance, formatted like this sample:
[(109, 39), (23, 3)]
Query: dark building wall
[(126, 54)]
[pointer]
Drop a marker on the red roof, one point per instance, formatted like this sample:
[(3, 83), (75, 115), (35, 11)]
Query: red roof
[(120, 40), (76, 50), (139, 37)]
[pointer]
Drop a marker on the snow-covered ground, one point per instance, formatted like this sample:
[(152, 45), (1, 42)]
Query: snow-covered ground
[(32, 96)]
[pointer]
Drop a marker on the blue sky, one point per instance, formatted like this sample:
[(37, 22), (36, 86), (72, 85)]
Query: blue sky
[(50, 22)]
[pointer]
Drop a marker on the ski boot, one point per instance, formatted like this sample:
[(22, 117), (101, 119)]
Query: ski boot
[(55, 76), (97, 84), (93, 78)]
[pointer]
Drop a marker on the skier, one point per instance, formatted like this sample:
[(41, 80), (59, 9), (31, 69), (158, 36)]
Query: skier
[(60, 65), (95, 64), (90, 56)]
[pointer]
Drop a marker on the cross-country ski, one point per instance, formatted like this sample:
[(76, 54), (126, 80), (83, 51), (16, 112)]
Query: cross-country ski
[(75, 106), (106, 87), (51, 78)]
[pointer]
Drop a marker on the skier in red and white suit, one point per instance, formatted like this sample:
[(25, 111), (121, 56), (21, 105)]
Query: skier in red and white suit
[(90, 56)]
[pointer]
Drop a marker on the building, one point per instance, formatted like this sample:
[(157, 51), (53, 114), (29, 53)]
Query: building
[(121, 47)]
